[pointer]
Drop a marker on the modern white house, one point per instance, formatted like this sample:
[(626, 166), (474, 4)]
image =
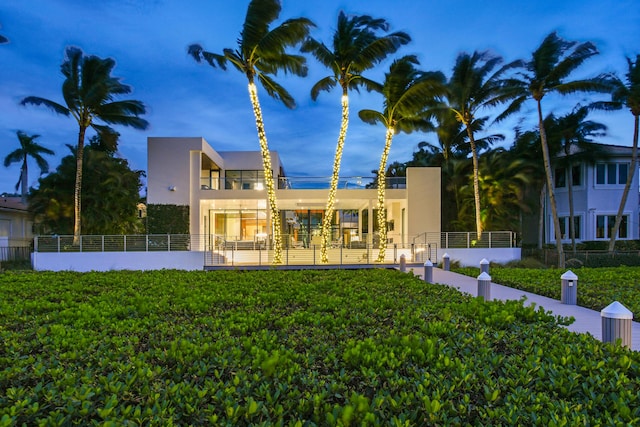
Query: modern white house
[(597, 190), (227, 200)]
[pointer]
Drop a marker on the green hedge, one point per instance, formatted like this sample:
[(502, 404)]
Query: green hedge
[(303, 348), (597, 287), (167, 219)]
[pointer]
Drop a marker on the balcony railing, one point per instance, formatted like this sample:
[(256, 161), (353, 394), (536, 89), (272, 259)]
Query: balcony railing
[(300, 183)]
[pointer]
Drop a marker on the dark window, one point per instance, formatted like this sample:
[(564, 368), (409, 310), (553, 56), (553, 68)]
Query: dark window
[(600, 227), (576, 176), (600, 169), (560, 178), (606, 222), (623, 170)]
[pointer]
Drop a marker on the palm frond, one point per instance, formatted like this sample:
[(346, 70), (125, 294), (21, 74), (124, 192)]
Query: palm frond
[(276, 91), (372, 117), (54, 106), (290, 33), (260, 14), (324, 84)]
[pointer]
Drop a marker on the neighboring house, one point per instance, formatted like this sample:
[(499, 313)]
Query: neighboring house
[(15, 223), (597, 190), (227, 199)]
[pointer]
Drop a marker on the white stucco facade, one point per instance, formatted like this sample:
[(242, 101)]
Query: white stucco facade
[(596, 197), (227, 200)]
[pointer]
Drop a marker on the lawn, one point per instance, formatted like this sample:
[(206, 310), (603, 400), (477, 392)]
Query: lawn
[(294, 348), (597, 287)]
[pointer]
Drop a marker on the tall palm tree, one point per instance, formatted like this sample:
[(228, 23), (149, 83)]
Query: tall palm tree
[(262, 51), (357, 47), (574, 133), (546, 72), (474, 86), (90, 91), (407, 93), (626, 94), (28, 148)]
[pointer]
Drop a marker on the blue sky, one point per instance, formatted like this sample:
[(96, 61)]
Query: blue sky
[(149, 38)]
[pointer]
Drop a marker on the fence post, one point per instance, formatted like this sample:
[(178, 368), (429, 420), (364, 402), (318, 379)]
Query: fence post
[(428, 271), (616, 324), (489, 239), (484, 266), (446, 262), (403, 263), (569, 290), (484, 286)]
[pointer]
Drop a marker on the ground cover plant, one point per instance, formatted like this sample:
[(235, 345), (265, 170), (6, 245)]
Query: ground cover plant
[(305, 348), (597, 287)]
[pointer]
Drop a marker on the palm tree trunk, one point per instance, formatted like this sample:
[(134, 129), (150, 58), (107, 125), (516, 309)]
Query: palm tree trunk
[(268, 175), (552, 198), (24, 179), (572, 228), (382, 188), (627, 186), (541, 216), (77, 191), (476, 184), (328, 214)]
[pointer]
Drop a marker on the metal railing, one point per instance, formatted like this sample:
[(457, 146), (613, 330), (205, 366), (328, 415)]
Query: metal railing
[(119, 243), (455, 239)]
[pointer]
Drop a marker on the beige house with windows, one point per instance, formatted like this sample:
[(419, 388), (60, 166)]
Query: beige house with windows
[(227, 199)]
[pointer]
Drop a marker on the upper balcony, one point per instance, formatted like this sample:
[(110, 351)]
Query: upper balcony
[(301, 183)]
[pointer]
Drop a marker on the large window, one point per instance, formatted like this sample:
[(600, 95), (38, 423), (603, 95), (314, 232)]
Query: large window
[(246, 224), (565, 229), (244, 180), (611, 173), (605, 223)]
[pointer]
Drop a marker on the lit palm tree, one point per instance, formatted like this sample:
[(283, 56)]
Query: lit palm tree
[(626, 94), (261, 52), (90, 92), (407, 93), (356, 48), (28, 148), (475, 86), (546, 72)]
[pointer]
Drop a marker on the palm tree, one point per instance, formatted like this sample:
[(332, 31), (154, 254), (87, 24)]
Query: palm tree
[(475, 86), (90, 91), (356, 48), (546, 72), (573, 133), (261, 52), (626, 94), (407, 93), (28, 148)]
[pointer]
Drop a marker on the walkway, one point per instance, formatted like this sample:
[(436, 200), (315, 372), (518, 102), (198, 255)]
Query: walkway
[(587, 320)]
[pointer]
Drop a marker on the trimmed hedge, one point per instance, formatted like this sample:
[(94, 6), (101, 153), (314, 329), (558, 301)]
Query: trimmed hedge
[(167, 219), (303, 348)]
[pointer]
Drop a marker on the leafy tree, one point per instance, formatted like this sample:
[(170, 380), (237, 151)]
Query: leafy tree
[(111, 194), (626, 94), (475, 86), (408, 92), (357, 47), (28, 148), (262, 52), (90, 91), (546, 72)]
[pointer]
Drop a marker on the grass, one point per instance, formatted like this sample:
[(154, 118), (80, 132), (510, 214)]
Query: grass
[(294, 348)]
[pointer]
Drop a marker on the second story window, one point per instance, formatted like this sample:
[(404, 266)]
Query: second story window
[(561, 176), (244, 180), (611, 173)]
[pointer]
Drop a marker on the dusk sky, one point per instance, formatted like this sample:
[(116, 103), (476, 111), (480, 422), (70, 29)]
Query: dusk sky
[(149, 39)]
